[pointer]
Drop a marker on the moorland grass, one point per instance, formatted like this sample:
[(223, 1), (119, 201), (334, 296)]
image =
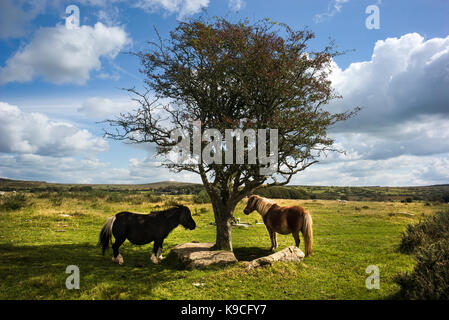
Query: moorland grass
[(38, 242)]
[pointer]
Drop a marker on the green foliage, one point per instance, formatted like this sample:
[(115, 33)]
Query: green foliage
[(37, 253), (153, 197), (430, 278), (171, 202), (14, 202), (56, 200), (201, 197), (80, 189), (431, 230), (429, 242), (282, 193)]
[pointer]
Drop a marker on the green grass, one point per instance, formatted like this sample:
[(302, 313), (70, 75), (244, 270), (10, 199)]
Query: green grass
[(37, 243)]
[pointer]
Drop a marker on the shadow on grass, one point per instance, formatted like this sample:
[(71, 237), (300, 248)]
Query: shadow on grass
[(33, 272), (250, 253)]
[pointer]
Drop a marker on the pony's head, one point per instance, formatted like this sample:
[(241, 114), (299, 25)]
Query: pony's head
[(185, 218), (251, 204)]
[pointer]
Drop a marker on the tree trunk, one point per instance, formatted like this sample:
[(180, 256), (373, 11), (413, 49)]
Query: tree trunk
[(223, 215)]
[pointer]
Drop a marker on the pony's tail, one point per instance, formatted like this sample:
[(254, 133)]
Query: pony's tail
[(307, 233), (106, 234)]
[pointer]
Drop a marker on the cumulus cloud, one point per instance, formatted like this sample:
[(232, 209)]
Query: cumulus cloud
[(15, 19), (151, 169), (35, 133), (51, 169), (403, 94), (73, 170), (62, 55), (181, 7), (401, 136), (402, 170), (97, 107), (406, 77)]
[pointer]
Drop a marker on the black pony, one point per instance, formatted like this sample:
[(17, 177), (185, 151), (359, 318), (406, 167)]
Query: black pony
[(143, 228)]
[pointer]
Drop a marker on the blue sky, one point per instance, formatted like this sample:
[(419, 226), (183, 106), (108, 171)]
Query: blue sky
[(56, 85)]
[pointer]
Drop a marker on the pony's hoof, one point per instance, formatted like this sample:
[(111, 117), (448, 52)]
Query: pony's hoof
[(160, 258), (154, 259), (118, 260)]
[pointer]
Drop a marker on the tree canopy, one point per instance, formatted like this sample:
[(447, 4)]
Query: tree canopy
[(239, 76)]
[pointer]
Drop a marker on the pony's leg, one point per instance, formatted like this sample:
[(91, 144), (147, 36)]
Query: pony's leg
[(159, 251), (275, 238), (157, 245), (117, 256), (296, 237), (272, 238)]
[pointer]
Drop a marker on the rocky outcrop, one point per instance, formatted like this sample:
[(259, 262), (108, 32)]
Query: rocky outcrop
[(200, 255), (289, 254)]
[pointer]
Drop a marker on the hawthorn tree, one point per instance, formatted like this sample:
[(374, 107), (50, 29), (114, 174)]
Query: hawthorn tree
[(241, 75)]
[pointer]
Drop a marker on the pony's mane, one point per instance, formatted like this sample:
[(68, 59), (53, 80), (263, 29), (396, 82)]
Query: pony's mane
[(167, 211), (263, 204)]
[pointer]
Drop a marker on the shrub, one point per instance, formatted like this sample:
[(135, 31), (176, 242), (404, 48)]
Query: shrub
[(429, 242), (14, 202), (56, 201), (80, 189), (171, 202), (277, 192), (201, 197), (430, 277), (431, 229), (116, 197), (153, 198)]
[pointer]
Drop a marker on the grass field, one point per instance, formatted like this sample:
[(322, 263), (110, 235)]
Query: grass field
[(39, 241)]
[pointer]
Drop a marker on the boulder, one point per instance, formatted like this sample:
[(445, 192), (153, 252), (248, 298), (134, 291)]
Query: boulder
[(289, 254), (200, 255)]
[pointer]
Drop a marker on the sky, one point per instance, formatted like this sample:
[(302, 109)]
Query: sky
[(58, 83)]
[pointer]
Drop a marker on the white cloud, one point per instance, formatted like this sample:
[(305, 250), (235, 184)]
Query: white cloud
[(401, 136), (403, 94), (73, 170), (236, 5), (35, 133), (333, 8), (52, 169), (181, 7), (62, 55), (15, 19), (398, 171), (98, 107)]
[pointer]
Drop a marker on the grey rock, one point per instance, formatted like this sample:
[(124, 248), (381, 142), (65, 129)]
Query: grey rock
[(200, 255), (289, 254)]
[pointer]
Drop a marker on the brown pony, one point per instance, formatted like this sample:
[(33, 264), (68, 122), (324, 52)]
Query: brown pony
[(283, 220)]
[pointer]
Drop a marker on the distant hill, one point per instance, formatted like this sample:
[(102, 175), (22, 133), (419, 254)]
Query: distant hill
[(165, 184), (162, 186), (424, 193)]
